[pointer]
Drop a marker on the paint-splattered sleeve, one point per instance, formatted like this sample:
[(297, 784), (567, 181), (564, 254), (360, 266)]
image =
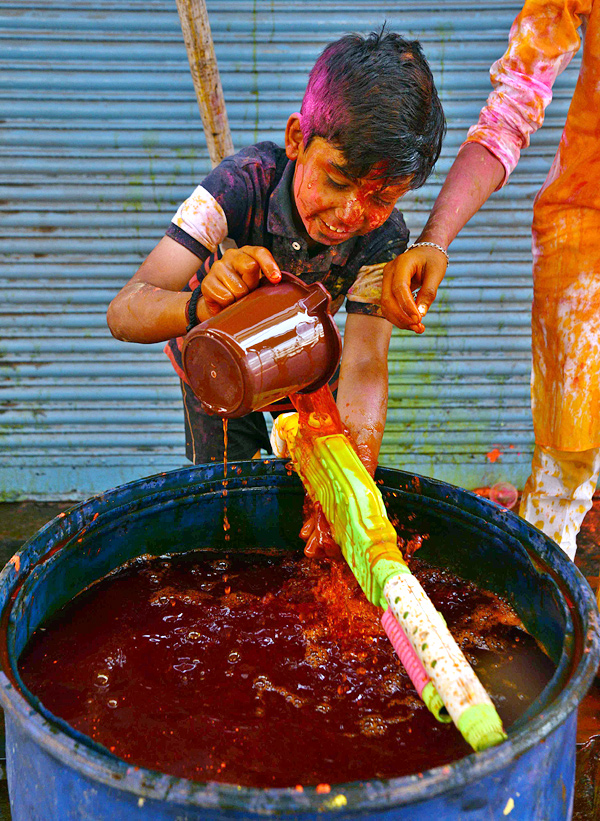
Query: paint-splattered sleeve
[(542, 42), (199, 223), (364, 297), (229, 201), (388, 242)]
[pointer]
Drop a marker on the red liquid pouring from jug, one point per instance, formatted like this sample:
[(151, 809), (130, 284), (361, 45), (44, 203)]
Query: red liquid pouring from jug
[(279, 340)]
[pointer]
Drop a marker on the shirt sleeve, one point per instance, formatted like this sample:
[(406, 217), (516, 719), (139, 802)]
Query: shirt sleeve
[(201, 218), (542, 42), (384, 245), (222, 206), (364, 297)]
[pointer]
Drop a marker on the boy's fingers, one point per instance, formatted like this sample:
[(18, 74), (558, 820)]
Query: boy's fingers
[(397, 301), (417, 328), (264, 259), (243, 267), (423, 298), (238, 272), (308, 528), (433, 274), (224, 284), (310, 535), (311, 547), (401, 304)]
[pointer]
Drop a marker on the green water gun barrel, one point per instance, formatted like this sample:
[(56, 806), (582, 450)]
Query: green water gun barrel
[(334, 476)]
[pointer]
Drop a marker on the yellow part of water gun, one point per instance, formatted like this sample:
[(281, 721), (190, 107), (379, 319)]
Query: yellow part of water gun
[(334, 476)]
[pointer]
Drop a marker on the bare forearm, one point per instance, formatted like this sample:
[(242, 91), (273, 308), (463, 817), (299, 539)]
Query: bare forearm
[(143, 312), (362, 402), (474, 175)]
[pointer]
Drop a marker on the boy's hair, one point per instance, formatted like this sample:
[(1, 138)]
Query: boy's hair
[(374, 99)]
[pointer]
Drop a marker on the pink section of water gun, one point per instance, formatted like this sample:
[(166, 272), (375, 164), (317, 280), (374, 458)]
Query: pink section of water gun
[(405, 652)]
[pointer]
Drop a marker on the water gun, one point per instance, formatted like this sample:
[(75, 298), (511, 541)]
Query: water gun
[(335, 478)]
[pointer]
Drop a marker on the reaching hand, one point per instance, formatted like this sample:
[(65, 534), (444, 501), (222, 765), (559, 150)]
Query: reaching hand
[(237, 273), (421, 269)]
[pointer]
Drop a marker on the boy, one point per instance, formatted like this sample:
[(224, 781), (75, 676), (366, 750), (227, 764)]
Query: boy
[(370, 129)]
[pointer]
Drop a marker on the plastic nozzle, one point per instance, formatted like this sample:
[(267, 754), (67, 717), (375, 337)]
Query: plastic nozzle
[(433, 701), (481, 727)]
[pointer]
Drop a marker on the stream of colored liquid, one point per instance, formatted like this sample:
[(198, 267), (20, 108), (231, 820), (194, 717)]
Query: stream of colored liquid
[(264, 669), (226, 525), (318, 415)]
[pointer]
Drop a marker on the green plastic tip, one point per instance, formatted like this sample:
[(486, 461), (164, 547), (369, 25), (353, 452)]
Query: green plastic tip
[(433, 702), (481, 727)]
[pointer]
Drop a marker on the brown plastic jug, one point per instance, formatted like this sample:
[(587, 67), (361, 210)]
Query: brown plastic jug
[(279, 339)]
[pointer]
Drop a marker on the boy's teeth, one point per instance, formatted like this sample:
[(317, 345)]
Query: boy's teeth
[(331, 228)]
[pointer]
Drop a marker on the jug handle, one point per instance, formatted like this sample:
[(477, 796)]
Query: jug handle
[(316, 298)]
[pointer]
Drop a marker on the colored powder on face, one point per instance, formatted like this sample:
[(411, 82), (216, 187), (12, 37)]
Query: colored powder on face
[(264, 670)]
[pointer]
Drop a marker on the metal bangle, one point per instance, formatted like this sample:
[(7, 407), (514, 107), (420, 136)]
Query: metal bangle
[(432, 245)]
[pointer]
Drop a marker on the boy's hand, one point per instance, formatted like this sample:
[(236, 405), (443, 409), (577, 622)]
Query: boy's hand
[(237, 273), (421, 269)]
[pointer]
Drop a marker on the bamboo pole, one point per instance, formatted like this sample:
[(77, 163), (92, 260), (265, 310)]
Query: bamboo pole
[(205, 74)]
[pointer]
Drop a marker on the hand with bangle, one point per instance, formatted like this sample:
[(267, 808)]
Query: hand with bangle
[(410, 284)]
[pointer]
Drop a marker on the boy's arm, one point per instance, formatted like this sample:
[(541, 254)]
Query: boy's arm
[(363, 386), (153, 308)]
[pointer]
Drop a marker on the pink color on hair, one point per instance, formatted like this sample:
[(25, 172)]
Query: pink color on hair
[(321, 102)]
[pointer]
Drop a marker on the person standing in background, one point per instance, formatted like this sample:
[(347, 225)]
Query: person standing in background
[(565, 388)]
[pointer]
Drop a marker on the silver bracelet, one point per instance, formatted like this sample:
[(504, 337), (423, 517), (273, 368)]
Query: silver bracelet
[(431, 245)]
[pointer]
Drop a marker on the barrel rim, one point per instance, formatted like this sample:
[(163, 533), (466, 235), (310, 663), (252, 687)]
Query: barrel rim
[(372, 795)]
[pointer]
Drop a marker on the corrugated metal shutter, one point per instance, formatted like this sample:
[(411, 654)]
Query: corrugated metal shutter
[(101, 139)]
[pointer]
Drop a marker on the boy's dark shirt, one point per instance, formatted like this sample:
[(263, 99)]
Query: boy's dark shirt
[(253, 189)]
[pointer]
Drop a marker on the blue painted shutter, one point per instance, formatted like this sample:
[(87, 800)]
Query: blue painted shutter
[(100, 140)]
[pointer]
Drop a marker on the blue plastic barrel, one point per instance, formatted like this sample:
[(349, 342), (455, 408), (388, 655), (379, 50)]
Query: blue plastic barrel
[(56, 774)]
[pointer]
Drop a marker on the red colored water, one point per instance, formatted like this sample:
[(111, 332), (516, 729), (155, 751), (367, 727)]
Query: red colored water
[(318, 415), (264, 670)]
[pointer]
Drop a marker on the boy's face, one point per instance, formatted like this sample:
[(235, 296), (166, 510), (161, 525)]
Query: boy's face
[(332, 207)]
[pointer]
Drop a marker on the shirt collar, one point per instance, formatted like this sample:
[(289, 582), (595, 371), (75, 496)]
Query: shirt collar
[(280, 221)]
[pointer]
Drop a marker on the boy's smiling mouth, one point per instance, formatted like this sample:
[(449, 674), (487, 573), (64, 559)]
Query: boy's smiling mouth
[(341, 232), (335, 230)]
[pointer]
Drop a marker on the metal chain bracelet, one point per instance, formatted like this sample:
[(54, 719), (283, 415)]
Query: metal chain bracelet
[(431, 245)]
